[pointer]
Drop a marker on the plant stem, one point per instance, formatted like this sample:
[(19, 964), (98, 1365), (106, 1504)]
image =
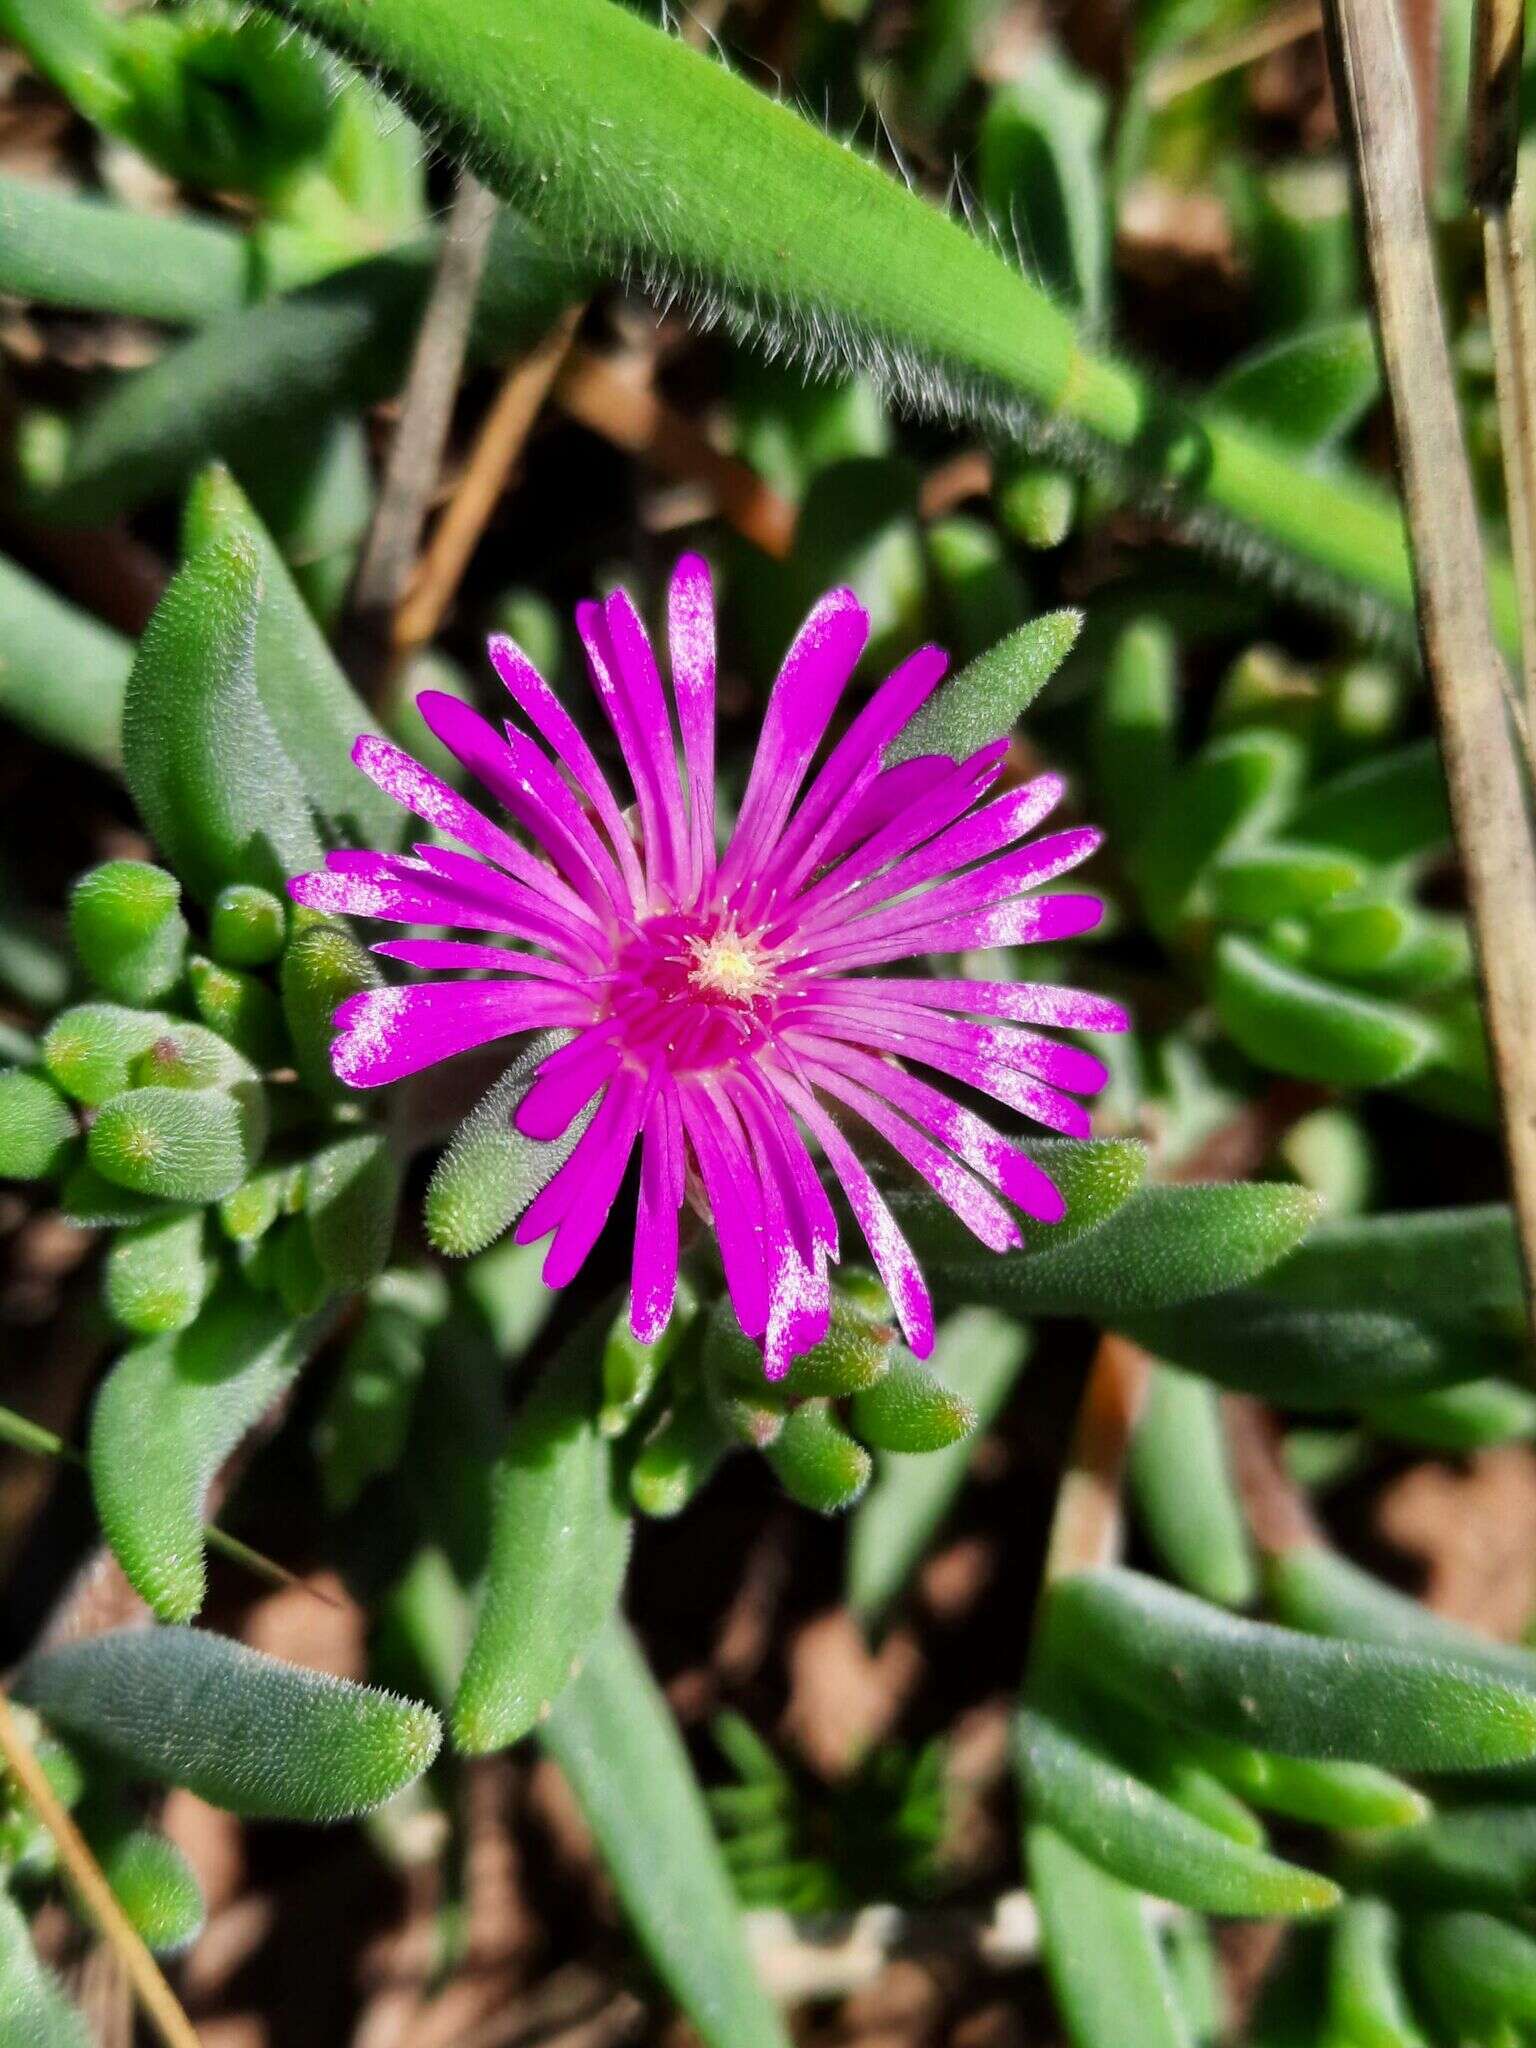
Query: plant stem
[(161, 2006), (25, 1435), (1487, 792)]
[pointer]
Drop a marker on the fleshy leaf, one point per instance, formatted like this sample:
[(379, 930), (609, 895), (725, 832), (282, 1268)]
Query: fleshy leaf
[(1184, 1491), (168, 1413), (491, 1171), (613, 1736), (207, 771), (559, 1546), (987, 698), (1101, 1954), (1251, 1682), (1312, 1028), (261, 1738)]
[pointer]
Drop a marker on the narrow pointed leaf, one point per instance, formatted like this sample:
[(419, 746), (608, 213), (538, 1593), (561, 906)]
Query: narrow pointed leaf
[(613, 1736), (1303, 1025), (1105, 1964), (1166, 1245), (62, 673), (1142, 1838), (989, 696), (315, 712), (1275, 1688), (1307, 389), (1184, 1493)]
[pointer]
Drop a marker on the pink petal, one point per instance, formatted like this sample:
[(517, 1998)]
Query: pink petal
[(653, 1283), (1026, 1002), (582, 1224), (566, 1083), (735, 1201), (387, 1033), (466, 954), (893, 1256), (691, 644), (554, 724), (815, 673)]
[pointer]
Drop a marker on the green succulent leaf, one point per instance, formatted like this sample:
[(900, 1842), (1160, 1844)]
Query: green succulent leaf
[(1094, 1177), (1135, 726), (363, 1428), (155, 1886), (1312, 1028), (559, 1546), (314, 710), (246, 926), (62, 673), (240, 1008), (179, 1144), (1232, 792), (34, 2012), (1041, 173), (322, 965), (1142, 1838), (1165, 1245), (126, 922), (62, 249), (1184, 1493), (37, 1127), (1389, 808), (1456, 1265), (491, 1172), (817, 1462), (206, 768), (911, 1409), (1106, 1967), (1274, 1688), (988, 697), (1366, 1998), (158, 1274), (261, 1738), (1308, 389), (1481, 1970), (351, 1194), (168, 1413), (614, 1737), (680, 1456)]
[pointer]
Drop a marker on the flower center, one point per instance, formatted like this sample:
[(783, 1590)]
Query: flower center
[(729, 963), (694, 991)]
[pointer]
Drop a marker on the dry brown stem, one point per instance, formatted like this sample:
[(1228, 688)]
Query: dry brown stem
[(1487, 788)]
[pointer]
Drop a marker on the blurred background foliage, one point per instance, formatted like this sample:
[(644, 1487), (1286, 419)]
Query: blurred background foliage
[(350, 1472)]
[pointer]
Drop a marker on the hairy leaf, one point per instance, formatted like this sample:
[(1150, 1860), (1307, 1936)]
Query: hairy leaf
[(168, 1413), (559, 1545), (262, 1738)]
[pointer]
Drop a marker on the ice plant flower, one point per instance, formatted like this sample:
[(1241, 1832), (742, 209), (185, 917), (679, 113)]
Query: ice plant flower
[(711, 1002)]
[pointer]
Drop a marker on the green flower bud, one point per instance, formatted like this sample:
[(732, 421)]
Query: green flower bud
[(912, 1410), (817, 1461), (246, 926), (241, 1009)]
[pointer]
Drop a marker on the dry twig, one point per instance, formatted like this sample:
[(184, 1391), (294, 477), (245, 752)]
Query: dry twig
[(416, 453), (1487, 790), (161, 2006), (503, 432)]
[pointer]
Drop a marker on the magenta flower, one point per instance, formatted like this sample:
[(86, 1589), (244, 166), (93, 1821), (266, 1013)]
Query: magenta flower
[(717, 1012)]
